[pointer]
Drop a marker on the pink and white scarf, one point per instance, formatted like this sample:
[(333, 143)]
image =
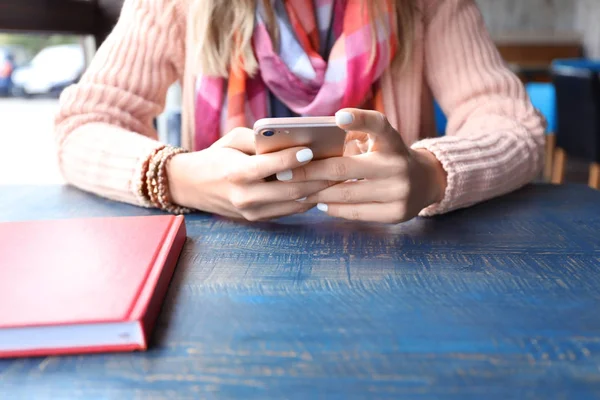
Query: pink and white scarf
[(297, 75)]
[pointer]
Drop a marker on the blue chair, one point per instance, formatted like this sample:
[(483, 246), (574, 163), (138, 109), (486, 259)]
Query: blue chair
[(543, 98), (577, 83), (440, 119)]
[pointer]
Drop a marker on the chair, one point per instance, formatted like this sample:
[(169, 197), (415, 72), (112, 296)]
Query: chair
[(543, 98), (440, 119), (577, 86)]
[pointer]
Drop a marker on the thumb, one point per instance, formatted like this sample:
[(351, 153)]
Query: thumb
[(358, 143), (383, 136)]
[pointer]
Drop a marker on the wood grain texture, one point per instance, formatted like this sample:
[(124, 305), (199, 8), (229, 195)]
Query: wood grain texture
[(498, 301), (548, 161), (594, 178), (559, 161)]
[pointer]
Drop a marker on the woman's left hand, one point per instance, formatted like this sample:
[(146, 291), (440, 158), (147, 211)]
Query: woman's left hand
[(386, 182)]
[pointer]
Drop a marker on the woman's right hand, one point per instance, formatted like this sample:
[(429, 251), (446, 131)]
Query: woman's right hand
[(229, 180)]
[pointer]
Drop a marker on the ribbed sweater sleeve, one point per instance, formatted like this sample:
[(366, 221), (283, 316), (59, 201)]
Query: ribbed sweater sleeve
[(104, 128), (494, 142)]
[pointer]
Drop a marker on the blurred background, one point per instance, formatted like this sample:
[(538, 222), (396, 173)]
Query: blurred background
[(46, 46)]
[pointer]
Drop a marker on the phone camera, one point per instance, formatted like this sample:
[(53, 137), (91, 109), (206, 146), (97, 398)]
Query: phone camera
[(268, 133)]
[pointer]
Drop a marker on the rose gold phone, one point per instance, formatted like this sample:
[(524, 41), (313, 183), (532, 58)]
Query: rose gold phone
[(320, 134)]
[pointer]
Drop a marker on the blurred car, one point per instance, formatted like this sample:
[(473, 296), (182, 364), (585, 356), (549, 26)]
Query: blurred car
[(11, 57), (52, 70)]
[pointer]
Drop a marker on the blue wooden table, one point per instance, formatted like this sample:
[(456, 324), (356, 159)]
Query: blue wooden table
[(499, 301)]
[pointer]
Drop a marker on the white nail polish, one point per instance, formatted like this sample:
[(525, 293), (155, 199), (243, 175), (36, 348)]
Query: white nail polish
[(322, 207), (285, 175), (344, 118), (304, 155), (302, 199)]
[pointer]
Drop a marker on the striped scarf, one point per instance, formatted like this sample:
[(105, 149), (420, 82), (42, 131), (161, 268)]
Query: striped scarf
[(324, 63)]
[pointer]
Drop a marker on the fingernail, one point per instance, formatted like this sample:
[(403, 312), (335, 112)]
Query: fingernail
[(304, 155), (344, 118), (322, 207), (302, 199), (285, 175)]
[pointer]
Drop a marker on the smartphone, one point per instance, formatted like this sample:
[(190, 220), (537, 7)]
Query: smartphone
[(320, 134)]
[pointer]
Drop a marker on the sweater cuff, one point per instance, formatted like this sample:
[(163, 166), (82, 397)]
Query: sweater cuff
[(107, 160), (449, 150)]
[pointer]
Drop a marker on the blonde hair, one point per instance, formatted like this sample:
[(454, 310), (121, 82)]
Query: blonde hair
[(222, 30)]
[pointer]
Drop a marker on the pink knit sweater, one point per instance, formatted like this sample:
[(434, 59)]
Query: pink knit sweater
[(494, 142)]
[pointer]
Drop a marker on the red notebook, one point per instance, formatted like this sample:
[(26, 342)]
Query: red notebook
[(84, 285)]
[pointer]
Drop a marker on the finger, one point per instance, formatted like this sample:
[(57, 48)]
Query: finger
[(261, 166), (357, 135), (360, 140), (373, 123), (276, 210), (381, 191), (388, 213), (352, 148), (340, 169), (260, 193), (241, 139)]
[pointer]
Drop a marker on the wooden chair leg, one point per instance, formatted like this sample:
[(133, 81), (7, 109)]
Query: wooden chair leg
[(558, 169), (594, 182), (550, 146)]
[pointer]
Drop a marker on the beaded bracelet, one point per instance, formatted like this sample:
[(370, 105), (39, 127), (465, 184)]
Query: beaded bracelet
[(157, 188), (151, 173), (163, 184), (142, 187)]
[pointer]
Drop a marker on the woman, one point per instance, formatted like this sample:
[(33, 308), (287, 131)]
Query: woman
[(240, 61)]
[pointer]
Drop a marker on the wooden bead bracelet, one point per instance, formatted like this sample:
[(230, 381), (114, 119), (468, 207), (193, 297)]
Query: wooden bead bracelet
[(157, 185)]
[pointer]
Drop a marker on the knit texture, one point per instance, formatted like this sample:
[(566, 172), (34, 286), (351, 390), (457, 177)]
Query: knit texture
[(494, 141)]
